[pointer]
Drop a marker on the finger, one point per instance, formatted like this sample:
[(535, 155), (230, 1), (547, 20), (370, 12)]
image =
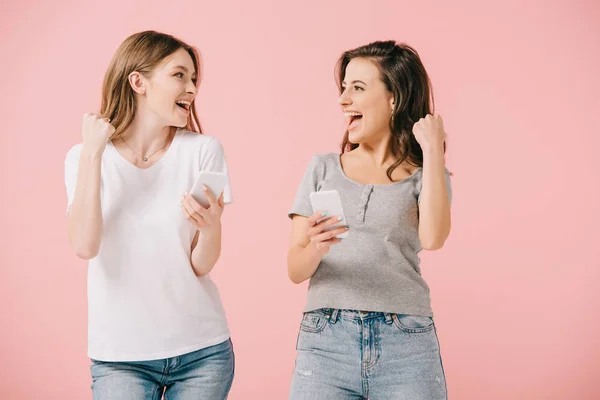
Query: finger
[(196, 207), (330, 234), (328, 243), (189, 217), (212, 200), (314, 219), (197, 214), (323, 225), (332, 241), (332, 221), (222, 199)]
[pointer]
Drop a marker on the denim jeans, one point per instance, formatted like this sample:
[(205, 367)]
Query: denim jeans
[(346, 354), (202, 374)]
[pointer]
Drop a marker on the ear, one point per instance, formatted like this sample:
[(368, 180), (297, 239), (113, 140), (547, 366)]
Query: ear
[(137, 82), (392, 104)]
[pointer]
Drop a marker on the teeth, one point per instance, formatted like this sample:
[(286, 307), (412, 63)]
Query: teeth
[(352, 114), (184, 102)]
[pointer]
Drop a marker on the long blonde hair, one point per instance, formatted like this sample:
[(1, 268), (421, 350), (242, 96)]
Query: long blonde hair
[(140, 52)]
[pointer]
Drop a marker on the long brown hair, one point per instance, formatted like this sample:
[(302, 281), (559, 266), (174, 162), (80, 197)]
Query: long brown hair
[(404, 75), (140, 52)]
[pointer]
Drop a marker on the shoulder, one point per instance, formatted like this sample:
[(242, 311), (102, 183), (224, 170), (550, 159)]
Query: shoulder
[(324, 161), (320, 166), (75, 150), (418, 177), (193, 139), (197, 142), (74, 153)]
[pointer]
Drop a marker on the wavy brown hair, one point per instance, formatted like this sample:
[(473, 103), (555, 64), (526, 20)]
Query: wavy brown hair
[(403, 75), (140, 52)]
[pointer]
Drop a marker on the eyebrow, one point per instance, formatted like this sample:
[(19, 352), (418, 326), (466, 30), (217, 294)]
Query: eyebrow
[(353, 82), (184, 68)]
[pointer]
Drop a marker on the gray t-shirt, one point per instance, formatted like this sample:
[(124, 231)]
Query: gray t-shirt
[(376, 268)]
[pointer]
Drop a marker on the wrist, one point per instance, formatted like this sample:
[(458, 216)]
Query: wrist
[(91, 154), (210, 232), (314, 253), (433, 149)]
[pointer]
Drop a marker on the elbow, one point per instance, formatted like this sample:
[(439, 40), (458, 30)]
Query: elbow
[(433, 243), (86, 253), (200, 274), (293, 273), (203, 262), (434, 239), (202, 269), (294, 277), (85, 248), (432, 246)]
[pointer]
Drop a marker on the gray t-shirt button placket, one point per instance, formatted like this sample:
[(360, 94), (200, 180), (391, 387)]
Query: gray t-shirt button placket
[(364, 200)]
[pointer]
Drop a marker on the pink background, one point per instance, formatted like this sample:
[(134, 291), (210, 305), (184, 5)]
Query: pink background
[(515, 289)]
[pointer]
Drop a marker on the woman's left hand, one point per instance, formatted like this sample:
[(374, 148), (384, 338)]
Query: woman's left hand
[(429, 131), (203, 218)]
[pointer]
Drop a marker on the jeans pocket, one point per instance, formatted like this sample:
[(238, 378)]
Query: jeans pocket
[(313, 322), (413, 323)]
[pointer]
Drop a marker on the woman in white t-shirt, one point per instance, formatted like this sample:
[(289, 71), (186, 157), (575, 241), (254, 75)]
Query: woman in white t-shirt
[(156, 323)]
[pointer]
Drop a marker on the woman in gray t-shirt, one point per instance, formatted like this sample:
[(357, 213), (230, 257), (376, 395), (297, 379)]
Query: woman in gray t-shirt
[(367, 330)]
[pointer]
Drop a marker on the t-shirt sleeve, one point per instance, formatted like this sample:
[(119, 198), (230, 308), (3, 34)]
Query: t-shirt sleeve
[(308, 185), (448, 185), (71, 168), (213, 159)]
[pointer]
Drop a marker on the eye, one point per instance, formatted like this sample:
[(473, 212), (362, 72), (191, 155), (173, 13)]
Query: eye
[(358, 88), (179, 75)]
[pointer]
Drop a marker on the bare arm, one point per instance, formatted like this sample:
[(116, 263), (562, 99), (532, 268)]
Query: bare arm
[(434, 207), (85, 212), (206, 246), (206, 250), (309, 244)]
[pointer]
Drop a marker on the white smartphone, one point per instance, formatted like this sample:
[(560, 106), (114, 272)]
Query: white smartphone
[(330, 201), (215, 181)]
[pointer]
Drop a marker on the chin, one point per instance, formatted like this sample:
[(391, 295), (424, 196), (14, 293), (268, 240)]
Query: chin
[(355, 137), (179, 124)]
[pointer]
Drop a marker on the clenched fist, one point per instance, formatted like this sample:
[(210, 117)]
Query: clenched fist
[(96, 132), (429, 131)]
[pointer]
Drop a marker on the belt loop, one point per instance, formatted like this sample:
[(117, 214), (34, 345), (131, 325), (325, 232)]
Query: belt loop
[(388, 318), (334, 315)]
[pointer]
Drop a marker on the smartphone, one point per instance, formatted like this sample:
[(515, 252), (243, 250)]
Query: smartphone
[(330, 201), (216, 183)]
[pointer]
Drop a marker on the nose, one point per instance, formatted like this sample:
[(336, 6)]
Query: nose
[(344, 99), (191, 88)]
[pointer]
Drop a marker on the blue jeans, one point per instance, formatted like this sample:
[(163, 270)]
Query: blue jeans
[(345, 354), (202, 374)]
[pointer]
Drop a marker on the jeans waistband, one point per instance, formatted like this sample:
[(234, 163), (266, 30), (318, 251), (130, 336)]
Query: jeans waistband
[(332, 314)]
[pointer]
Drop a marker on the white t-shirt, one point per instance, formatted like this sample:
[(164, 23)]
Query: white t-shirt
[(144, 300)]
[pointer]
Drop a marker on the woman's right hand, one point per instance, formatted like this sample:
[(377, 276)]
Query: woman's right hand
[(319, 239), (96, 132)]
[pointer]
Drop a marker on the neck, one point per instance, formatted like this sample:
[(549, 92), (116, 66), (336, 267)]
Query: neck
[(145, 135), (379, 152)]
